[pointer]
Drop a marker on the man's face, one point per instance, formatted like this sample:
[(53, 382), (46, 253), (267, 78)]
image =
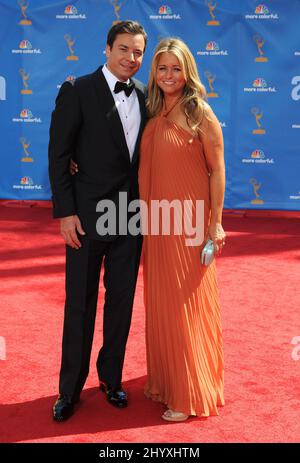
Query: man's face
[(125, 56)]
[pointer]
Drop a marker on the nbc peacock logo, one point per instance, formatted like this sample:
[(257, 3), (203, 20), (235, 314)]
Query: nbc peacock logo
[(262, 12), (25, 47), (70, 78), (259, 84), (70, 9), (257, 154), (27, 183), (26, 113), (261, 9), (27, 116), (164, 9), (71, 12), (257, 157), (165, 12), (212, 48)]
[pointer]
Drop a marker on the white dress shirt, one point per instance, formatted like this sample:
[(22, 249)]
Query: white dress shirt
[(128, 108)]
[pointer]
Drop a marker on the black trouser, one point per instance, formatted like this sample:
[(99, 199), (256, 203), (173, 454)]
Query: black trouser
[(121, 262)]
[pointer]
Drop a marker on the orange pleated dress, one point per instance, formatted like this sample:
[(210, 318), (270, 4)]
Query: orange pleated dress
[(183, 328)]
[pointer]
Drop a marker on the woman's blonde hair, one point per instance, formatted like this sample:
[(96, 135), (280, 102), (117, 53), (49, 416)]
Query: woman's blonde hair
[(194, 93)]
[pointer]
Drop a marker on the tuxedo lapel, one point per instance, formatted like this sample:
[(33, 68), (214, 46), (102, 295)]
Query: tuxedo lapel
[(141, 98), (107, 105)]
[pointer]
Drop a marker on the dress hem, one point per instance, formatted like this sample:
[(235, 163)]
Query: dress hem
[(158, 398)]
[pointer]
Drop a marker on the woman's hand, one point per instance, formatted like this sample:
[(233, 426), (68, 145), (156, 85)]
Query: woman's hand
[(73, 167), (217, 234)]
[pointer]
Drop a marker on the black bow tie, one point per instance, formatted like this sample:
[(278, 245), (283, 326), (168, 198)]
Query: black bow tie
[(128, 88)]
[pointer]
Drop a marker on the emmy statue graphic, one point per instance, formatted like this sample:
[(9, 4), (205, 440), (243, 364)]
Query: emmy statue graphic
[(24, 21), (258, 115), (256, 186), (25, 77), (213, 21), (211, 78), (70, 44), (260, 42), (25, 145), (117, 7)]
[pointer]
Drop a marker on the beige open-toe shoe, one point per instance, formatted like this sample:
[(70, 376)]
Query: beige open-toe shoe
[(171, 415)]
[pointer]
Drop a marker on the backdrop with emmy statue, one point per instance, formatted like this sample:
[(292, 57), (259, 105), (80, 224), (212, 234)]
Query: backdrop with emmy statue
[(248, 56)]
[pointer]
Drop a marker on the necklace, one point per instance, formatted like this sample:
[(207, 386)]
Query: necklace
[(167, 111)]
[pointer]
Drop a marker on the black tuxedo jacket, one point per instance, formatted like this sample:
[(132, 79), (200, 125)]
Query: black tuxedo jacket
[(86, 126)]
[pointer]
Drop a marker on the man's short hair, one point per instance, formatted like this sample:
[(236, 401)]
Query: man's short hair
[(125, 27)]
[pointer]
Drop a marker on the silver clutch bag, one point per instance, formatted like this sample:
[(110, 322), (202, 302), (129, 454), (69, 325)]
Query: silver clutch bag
[(207, 254)]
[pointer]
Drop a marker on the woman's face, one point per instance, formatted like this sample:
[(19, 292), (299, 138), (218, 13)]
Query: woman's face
[(169, 75)]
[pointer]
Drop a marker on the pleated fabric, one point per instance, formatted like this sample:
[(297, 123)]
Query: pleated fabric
[(183, 328)]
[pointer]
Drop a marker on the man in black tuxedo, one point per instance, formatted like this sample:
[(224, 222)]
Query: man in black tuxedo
[(98, 121)]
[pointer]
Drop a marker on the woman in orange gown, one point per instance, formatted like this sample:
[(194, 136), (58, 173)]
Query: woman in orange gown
[(182, 159)]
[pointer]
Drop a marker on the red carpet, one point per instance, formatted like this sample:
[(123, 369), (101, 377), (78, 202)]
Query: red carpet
[(259, 285)]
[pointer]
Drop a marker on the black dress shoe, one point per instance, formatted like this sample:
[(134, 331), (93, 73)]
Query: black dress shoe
[(63, 408), (115, 396)]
